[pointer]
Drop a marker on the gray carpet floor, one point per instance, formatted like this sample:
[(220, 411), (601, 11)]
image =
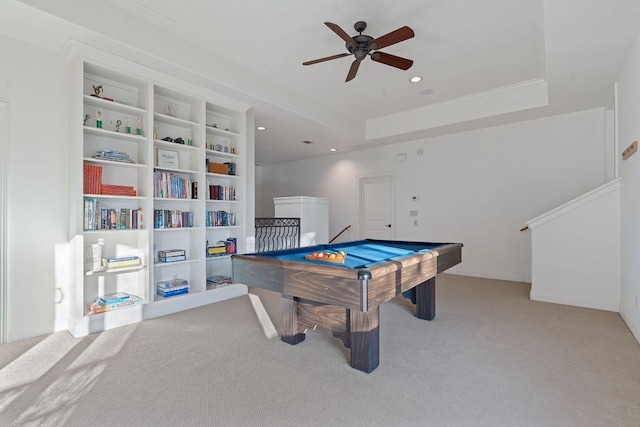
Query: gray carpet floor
[(491, 357)]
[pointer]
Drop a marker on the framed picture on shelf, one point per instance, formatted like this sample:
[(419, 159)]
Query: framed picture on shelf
[(168, 158)]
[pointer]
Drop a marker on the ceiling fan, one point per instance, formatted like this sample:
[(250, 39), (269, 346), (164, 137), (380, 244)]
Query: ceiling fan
[(362, 45)]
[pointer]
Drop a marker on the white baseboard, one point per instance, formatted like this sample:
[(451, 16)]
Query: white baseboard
[(263, 317), (511, 277), (633, 327), (575, 301)]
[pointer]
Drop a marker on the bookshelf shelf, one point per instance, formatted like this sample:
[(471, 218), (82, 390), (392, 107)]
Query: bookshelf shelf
[(176, 170), (215, 153), (115, 270), (128, 119), (113, 163), (174, 263), (221, 132), (174, 120), (108, 196), (222, 176), (113, 105), (113, 134)]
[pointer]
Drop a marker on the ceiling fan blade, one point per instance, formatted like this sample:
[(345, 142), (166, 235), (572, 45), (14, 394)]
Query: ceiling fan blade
[(397, 36), (339, 31), (328, 58), (353, 70), (394, 61)]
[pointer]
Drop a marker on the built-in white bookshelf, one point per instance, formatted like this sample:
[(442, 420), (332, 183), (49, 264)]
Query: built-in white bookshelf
[(141, 142)]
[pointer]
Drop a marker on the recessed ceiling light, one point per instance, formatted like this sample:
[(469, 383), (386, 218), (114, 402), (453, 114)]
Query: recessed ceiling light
[(333, 149), (415, 79), (261, 128), (426, 91)]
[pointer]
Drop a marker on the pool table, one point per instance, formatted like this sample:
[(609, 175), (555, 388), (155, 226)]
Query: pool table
[(346, 297)]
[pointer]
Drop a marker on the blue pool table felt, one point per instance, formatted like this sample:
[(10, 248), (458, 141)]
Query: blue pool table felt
[(360, 254)]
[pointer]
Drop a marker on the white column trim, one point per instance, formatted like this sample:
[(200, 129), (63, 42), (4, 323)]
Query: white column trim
[(4, 154)]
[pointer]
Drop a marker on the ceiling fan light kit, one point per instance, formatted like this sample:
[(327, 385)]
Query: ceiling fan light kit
[(362, 45)]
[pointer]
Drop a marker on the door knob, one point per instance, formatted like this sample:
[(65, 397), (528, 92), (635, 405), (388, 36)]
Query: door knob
[(389, 225)]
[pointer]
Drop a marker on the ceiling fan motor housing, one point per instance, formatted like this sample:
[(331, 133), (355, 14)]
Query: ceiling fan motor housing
[(361, 46)]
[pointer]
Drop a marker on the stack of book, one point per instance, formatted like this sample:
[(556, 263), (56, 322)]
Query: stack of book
[(172, 255), (121, 262), (117, 190), (92, 179), (216, 249), (113, 155), (171, 288), (115, 301), (218, 281)]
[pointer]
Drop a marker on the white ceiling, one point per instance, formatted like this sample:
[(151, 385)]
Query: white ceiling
[(486, 62)]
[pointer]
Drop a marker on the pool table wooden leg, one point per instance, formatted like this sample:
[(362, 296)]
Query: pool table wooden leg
[(426, 299), (289, 320), (365, 339)]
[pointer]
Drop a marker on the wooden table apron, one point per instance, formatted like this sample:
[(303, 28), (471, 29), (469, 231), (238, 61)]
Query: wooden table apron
[(346, 301)]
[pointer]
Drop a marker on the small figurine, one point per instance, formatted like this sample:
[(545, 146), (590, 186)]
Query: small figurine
[(155, 130), (171, 110), (97, 90), (189, 137), (99, 119), (139, 129), (86, 118), (128, 128), (118, 124)]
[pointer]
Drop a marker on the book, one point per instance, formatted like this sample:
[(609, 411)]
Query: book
[(172, 293), (93, 257), (112, 298), (216, 281), (122, 264), (172, 284), (122, 258), (123, 261), (171, 252), (171, 288), (172, 258), (96, 307)]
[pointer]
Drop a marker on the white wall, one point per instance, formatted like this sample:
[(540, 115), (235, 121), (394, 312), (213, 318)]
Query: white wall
[(477, 188), (576, 251), (628, 112), (34, 83)]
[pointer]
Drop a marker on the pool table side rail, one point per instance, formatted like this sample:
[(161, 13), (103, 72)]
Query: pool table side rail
[(328, 285), (408, 272)]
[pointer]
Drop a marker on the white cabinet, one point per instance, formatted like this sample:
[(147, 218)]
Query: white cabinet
[(140, 184), (313, 213)]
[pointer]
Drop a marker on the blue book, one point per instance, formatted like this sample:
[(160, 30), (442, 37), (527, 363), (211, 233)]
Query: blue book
[(113, 298), (172, 293)]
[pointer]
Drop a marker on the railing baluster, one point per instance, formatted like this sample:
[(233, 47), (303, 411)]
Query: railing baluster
[(277, 233)]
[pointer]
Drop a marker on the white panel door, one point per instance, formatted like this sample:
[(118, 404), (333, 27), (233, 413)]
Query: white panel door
[(376, 207)]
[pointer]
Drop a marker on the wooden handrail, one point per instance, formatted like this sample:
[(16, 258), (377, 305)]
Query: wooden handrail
[(338, 235), (525, 228)]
